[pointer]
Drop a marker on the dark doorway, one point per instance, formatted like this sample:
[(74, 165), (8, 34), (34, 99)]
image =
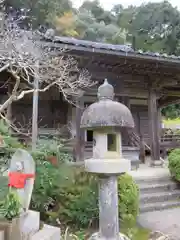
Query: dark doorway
[(89, 136)]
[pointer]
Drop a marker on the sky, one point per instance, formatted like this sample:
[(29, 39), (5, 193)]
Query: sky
[(107, 4)]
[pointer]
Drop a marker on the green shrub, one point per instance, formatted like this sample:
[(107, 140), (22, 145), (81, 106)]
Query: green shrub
[(65, 193), (128, 193), (78, 205), (11, 206), (49, 184), (10, 145), (11, 142), (50, 178), (50, 148), (4, 187), (68, 194), (73, 196), (174, 164)]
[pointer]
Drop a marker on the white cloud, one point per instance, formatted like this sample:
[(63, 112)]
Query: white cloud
[(108, 4)]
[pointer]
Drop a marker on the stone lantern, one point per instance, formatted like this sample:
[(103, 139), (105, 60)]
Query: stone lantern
[(106, 118)]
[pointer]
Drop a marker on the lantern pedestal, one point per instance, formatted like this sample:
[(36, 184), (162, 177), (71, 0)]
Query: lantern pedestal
[(108, 171)]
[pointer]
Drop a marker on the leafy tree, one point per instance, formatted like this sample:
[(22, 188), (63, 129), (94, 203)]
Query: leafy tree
[(66, 24), (171, 111), (88, 27), (156, 27), (93, 7), (98, 12), (117, 9), (38, 12)]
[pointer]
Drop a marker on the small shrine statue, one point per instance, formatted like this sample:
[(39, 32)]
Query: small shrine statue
[(21, 176)]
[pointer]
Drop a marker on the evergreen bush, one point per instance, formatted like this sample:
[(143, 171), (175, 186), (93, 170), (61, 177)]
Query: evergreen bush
[(174, 164), (64, 193), (128, 192), (69, 195)]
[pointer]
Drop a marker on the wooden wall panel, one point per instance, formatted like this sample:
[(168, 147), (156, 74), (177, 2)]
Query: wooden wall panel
[(51, 114), (140, 115)]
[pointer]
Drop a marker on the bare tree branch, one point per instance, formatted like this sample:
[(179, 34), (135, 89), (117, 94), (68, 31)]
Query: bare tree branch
[(19, 54)]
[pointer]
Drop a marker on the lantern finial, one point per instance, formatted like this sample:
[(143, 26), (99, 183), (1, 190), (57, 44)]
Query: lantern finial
[(106, 91)]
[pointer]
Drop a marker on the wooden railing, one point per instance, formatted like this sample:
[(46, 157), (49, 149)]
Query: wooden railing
[(170, 141), (170, 138), (167, 141), (136, 140)]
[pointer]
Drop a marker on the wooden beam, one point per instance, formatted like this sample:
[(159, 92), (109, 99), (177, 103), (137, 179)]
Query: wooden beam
[(80, 134), (138, 101), (172, 93), (131, 92), (153, 125), (161, 82), (103, 73), (127, 67), (165, 102)]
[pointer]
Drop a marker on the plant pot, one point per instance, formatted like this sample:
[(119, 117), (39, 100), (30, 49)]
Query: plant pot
[(11, 229), (53, 160)]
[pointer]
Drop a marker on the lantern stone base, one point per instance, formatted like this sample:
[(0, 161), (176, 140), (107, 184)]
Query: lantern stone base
[(30, 223), (10, 229), (96, 236), (156, 163), (26, 225), (107, 166), (47, 233)]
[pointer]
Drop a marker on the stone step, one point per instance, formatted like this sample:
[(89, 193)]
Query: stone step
[(157, 187), (152, 180), (159, 197), (47, 233), (150, 207)]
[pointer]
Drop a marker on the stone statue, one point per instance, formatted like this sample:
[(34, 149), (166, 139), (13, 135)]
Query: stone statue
[(21, 176)]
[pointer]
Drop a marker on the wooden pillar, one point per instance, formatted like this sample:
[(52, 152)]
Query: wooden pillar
[(80, 135), (126, 132), (35, 111), (153, 125), (163, 150), (9, 108), (142, 153), (159, 116)]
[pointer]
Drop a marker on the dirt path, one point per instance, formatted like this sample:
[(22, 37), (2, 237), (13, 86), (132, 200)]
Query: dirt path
[(166, 221)]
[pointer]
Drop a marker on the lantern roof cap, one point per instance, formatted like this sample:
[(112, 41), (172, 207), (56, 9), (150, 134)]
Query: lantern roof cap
[(106, 112)]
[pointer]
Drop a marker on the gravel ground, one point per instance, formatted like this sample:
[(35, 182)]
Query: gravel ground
[(166, 221)]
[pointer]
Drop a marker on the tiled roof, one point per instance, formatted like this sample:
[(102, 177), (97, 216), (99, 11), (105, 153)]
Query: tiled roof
[(111, 47)]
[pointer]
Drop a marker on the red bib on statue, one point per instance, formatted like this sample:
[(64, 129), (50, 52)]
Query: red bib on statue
[(18, 180)]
